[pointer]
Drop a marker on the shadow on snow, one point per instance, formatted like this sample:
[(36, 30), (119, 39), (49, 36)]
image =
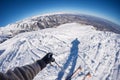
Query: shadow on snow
[(72, 59)]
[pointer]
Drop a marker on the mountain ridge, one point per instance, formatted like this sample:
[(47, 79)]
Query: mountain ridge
[(53, 20)]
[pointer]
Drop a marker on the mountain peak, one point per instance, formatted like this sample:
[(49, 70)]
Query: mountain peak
[(53, 20)]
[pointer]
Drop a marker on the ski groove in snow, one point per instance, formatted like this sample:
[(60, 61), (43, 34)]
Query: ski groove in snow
[(98, 52)]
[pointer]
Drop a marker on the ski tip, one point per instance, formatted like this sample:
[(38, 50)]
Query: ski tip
[(80, 68), (88, 74)]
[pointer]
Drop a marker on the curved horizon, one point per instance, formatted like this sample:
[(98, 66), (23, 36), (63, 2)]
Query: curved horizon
[(64, 12), (16, 10)]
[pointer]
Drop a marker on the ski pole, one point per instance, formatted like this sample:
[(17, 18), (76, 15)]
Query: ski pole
[(92, 73), (58, 65), (85, 62)]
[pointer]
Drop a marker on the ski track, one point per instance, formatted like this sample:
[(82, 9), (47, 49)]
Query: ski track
[(11, 55), (97, 52)]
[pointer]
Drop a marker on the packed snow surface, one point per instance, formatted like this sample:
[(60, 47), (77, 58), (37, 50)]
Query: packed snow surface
[(73, 44)]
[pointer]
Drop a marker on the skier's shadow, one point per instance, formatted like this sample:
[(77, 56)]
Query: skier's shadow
[(72, 58)]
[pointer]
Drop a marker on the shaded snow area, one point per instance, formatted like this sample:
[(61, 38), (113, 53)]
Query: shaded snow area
[(73, 44)]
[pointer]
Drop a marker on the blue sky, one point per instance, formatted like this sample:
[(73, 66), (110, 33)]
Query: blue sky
[(14, 10)]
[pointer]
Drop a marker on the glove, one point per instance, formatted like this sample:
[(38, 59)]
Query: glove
[(48, 58)]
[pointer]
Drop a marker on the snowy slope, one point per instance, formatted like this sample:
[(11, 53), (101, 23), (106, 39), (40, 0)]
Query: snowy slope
[(99, 52), (53, 20)]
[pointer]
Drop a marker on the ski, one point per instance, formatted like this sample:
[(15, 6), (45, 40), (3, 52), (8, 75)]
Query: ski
[(74, 73), (88, 75)]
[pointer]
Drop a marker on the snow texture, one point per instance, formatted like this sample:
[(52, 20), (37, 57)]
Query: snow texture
[(73, 44), (53, 20)]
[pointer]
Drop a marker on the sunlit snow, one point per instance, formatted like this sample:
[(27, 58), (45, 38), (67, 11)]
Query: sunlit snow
[(73, 44)]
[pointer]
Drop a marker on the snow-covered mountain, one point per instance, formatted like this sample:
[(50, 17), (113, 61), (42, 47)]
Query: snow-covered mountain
[(75, 40), (49, 21)]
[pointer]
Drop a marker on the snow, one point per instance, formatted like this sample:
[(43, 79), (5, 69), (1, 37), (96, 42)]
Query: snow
[(54, 20), (73, 44)]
